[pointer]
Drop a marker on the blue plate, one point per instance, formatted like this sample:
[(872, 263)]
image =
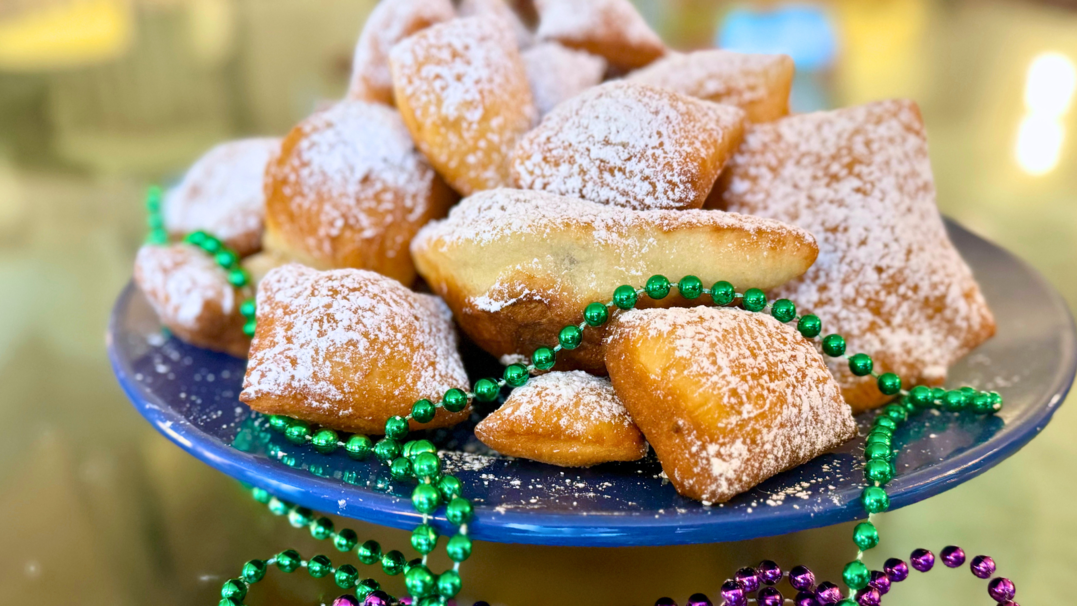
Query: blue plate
[(189, 394)]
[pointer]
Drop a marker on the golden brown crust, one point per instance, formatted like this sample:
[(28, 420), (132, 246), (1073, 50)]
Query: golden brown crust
[(349, 189), (609, 28), (462, 90), (349, 348), (726, 398), (570, 419), (192, 297), (516, 266)]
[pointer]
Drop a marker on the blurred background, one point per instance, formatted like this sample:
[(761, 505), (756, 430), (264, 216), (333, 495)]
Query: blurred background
[(99, 98)]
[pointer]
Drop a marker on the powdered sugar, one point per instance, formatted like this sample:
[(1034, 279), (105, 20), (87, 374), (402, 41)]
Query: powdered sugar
[(630, 145), (501, 10), (611, 25), (583, 399), (184, 285), (557, 73)]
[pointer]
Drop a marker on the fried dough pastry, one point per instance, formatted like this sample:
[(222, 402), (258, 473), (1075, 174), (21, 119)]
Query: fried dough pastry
[(348, 349), (516, 266), (462, 90), (349, 189), (390, 22), (571, 419), (727, 397), (222, 194), (501, 10), (192, 297), (610, 28), (557, 73), (630, 145), (758, 84), (888, 278)]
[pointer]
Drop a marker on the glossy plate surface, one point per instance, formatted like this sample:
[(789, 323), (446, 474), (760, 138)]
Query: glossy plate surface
[(190, 395)]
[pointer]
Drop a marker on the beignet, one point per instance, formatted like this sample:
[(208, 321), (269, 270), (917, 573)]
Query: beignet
[(501, 10), (348, 349), (888, 278), (571, 419), (516, 266), (557, 73), (610, 28), (727, 397)]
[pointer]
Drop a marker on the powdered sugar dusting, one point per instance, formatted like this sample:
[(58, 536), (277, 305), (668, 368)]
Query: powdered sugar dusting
[(580, 400), (557, 73), (629, 145), (501, 10), (183, 285), (887, 276), (614, 24)]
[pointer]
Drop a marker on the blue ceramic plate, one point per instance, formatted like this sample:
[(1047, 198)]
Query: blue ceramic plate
[(189, 395)]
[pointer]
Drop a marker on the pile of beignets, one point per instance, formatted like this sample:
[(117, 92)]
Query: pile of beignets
[(587, 156)]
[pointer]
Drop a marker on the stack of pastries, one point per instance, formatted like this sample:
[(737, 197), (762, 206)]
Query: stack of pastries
[(491, 175)]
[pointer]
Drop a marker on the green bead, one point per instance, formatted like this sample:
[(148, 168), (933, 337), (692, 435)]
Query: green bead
[(412, 564), (455, 400), (210, 244), (154, 193), (420, 581), (920, 396), (996, 401), (253, 571), (155, 222), (423, 411), (459, 548), (235, 589), (691, 287), (157, 237), (860, 364), (878, 471), (426, 465), (875, 499), (657, 287), (754, 299), (865, 536), (298, 432), (325, 440), (396, 428), (570, 337), (624, 297), (288, 560), (358, 446), (369, 552), (366, 587), (278, 507), (401, 469), (345, 540), (226, 258), (229, 602), (425, 498), (393, 563), (595, 314), (896, 413), (543, 358), (238, 277), (515, 375), (834, 345), (250, 327), (889, 383), (878, 438), (847, 602), (981, 403), (248, 308), (449, 487), (449, 584), (856, 575), (346, 576), (300, 517), (260, 495), (196, 238), (420, 446), (877, 451), (938, 394), (885, 421), (955, 400), (459, 511), (424, 538), (486, 390), (321, 529), (723, 293), (319, 566), (386, 450), (783, 310), (810, 326), (910, 408)]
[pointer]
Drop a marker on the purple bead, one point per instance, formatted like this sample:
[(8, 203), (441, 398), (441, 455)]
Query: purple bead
[(952, 556), (665, 602), (806, 598), (408, 601), (896, 570), (880, 581), (769, 596), (869, 597), (801, 578), (377, 598), (1001, 589), (982, 566), (1008, 603), (922, 560), (748, 579), (346, 600), (828, 593), (769, 572), (733, 594), (481, 603), (698, 599)]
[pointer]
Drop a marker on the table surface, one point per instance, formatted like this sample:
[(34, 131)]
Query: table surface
[(96, 507)]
